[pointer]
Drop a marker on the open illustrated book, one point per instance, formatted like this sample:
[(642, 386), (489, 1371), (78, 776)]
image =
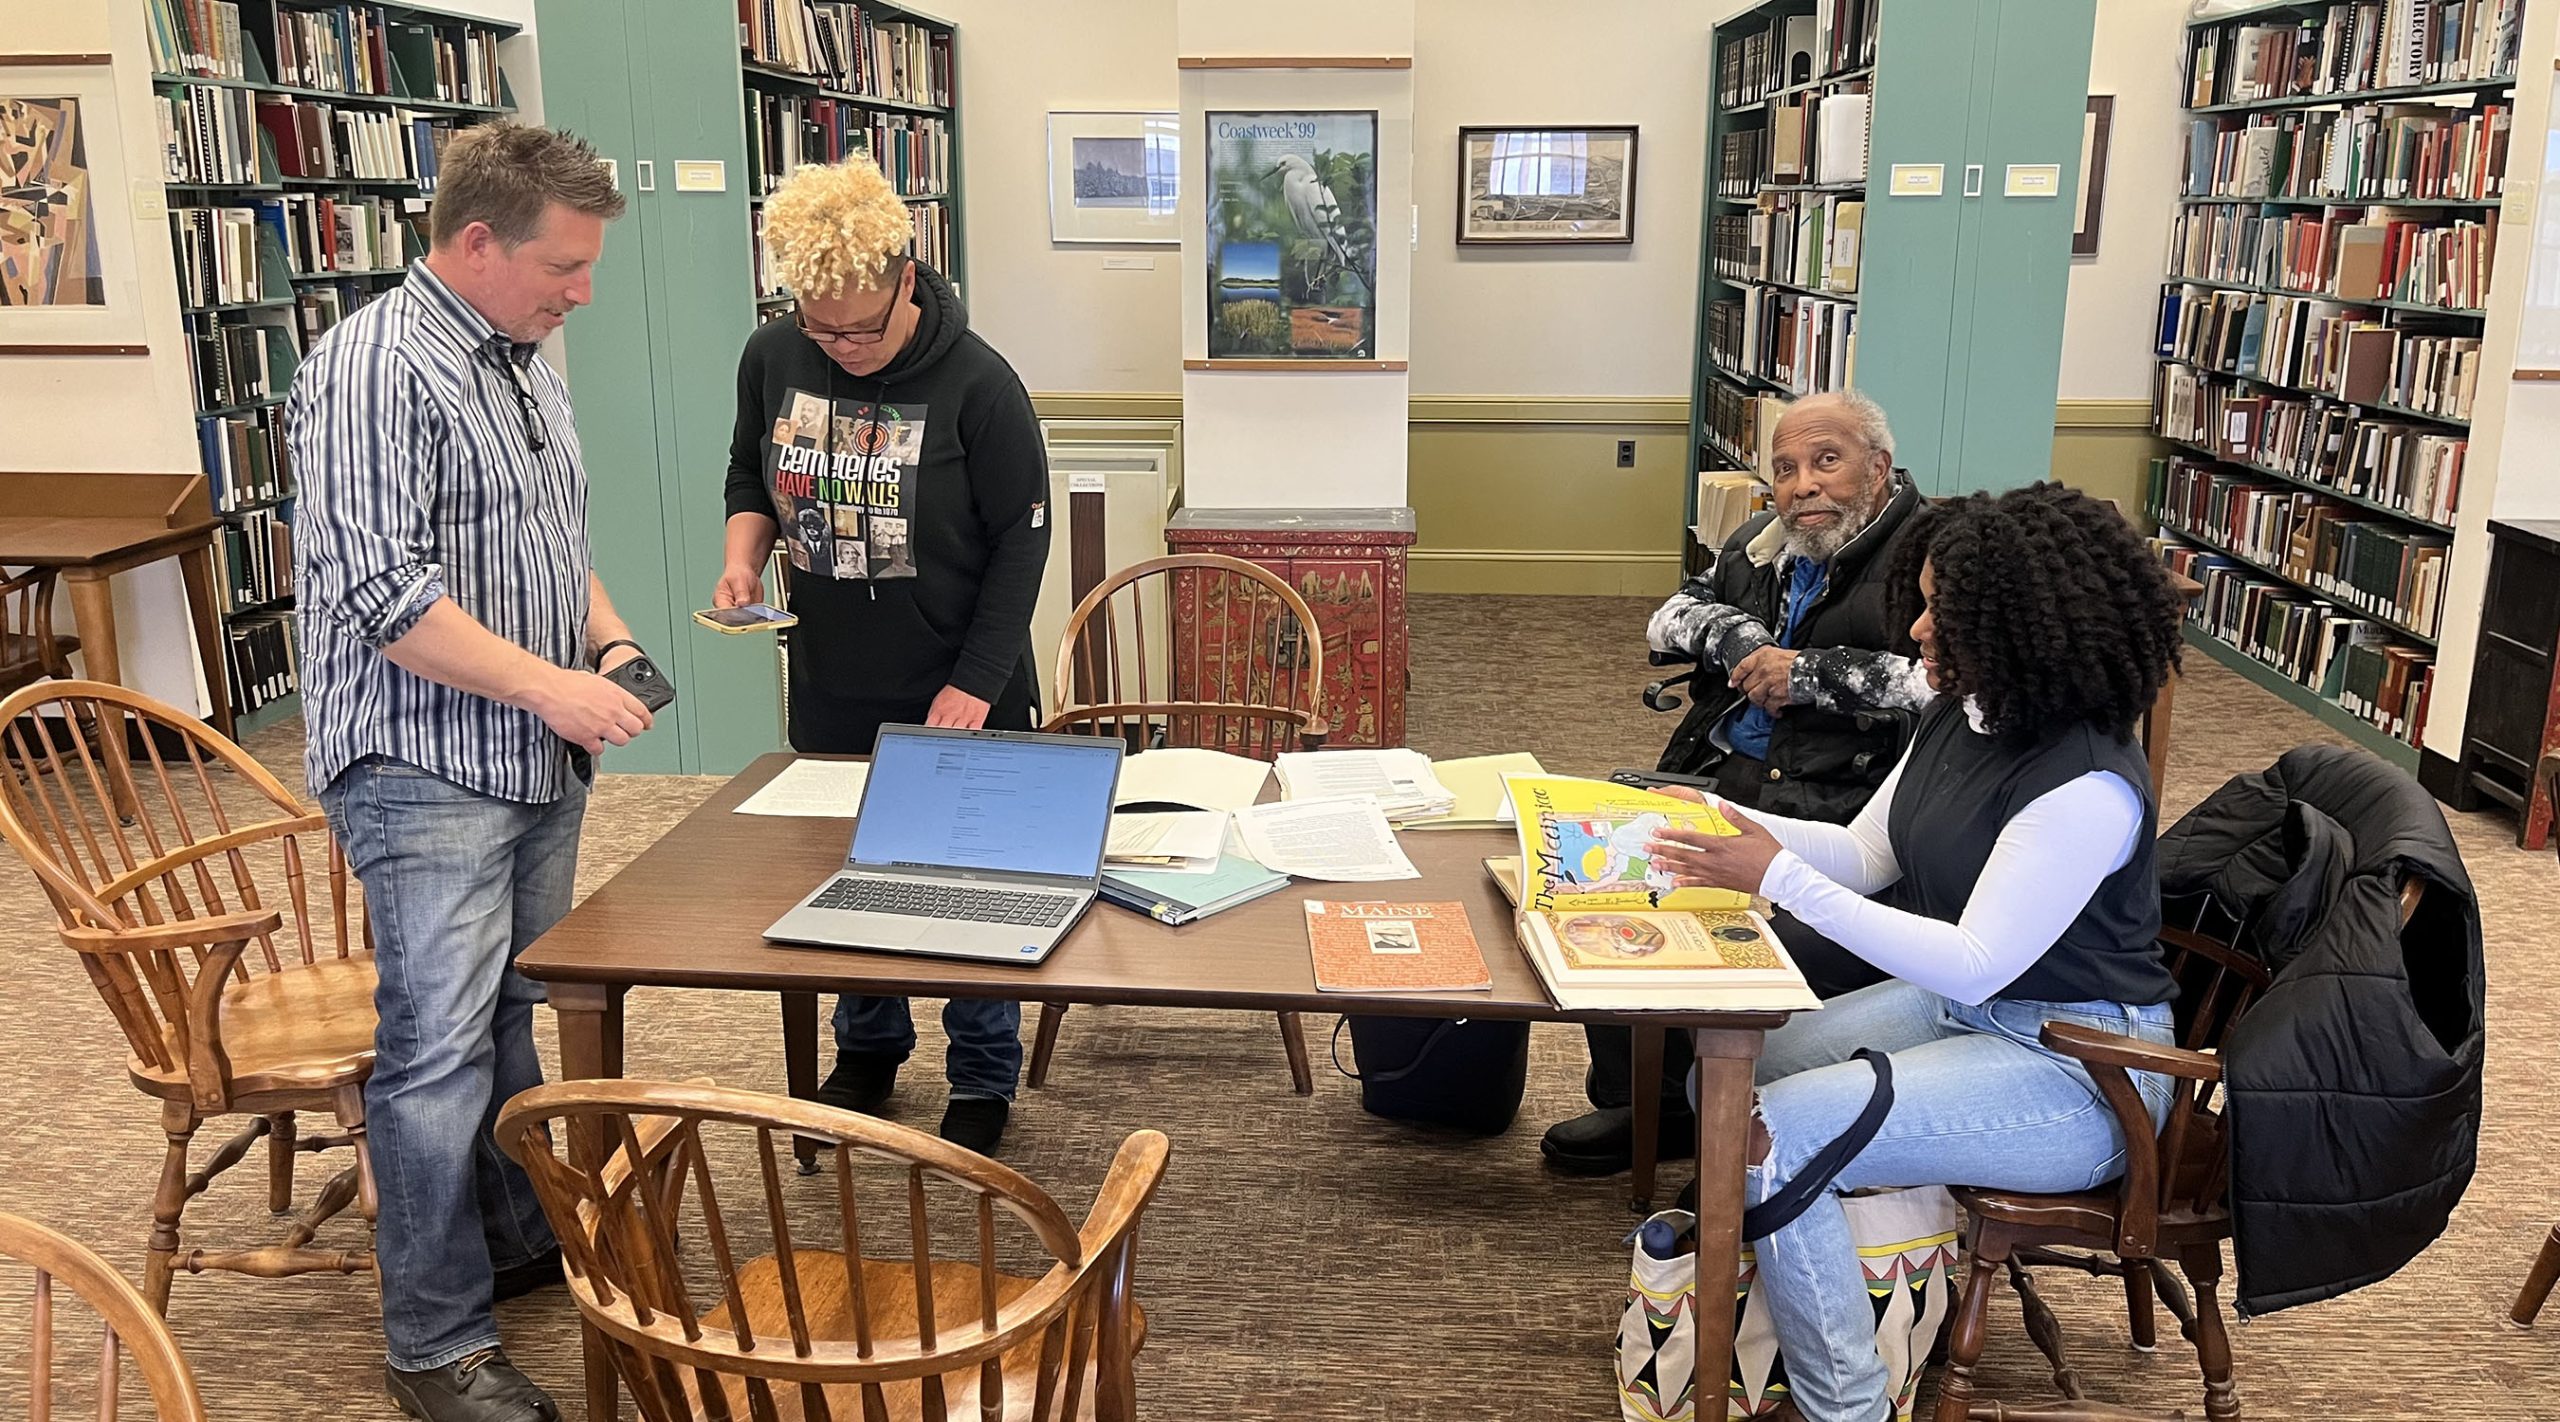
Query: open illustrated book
[(1605, 928)]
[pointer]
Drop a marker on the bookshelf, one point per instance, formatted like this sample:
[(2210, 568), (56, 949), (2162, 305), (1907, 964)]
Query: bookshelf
[(1945, 306), (824, 79), (300, 142), (2319, 346)]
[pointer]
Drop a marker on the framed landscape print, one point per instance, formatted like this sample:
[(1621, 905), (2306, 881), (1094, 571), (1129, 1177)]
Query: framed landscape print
[(1114, 177), (1532, 186), (67, 282), (1293, 236)]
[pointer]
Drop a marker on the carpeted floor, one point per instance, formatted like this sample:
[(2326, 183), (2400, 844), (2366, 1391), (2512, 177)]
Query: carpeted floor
[(1304, 1260)]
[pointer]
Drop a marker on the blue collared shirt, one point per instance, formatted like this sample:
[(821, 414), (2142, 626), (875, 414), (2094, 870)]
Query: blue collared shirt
[(419, 481)]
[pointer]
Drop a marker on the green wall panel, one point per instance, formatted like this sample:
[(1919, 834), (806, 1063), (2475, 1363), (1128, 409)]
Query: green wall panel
[(2011, 349), (653, 362)]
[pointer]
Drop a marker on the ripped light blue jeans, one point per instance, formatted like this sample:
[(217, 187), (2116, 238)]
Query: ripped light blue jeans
[(1977, 1101)]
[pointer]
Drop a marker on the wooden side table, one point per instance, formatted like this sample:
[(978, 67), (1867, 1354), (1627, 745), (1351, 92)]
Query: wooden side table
[(2514, 717), (1349, 564), (93, 526)]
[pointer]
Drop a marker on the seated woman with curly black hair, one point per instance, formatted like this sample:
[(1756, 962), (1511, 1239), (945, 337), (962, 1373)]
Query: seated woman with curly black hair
[(2019, 826)]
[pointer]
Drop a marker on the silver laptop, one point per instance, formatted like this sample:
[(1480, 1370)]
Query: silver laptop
[(968, 844)]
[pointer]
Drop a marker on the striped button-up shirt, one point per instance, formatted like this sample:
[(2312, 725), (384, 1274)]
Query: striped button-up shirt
[(413, 447)]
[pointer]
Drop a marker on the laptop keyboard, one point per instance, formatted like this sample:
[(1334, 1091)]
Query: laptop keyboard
[(945, 901)]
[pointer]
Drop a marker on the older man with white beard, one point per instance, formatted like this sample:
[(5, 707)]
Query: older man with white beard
[(1801, 659)]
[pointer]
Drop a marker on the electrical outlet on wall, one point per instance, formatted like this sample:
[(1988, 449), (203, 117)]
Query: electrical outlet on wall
[(1626, 454)]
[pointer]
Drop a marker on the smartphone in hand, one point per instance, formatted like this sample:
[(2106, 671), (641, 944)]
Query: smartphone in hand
[(754, 617)]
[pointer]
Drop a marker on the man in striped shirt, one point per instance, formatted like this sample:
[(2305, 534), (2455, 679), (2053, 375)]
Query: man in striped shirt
[(453, 639)]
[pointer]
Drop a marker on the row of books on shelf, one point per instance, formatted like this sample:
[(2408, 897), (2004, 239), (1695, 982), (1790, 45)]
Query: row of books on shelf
[(1751, 67), (1731, 418), (2416, 469), (787, 130), (228, 255), (858, 49), (2347, 660), (318, 306), (253, 555), (1742, 162), (1849, 34), (223, 256), (1819, 140), (246, 462), (2366, 153), (240, 360), (1802, 344), (352, 49), (2323, 348), (200, 37), (2379, 567), (1810, 240), (2385, 254), (233, 137), (2353, 47), (343, 49), (263, 661)]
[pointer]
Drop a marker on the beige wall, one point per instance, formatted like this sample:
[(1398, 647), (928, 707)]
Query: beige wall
[(1567, 321), (2115, 295)]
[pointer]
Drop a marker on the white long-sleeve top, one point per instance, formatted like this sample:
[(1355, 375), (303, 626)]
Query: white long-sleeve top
[(2044, 868)]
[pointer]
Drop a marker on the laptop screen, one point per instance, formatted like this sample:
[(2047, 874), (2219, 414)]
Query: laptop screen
[(1026, 806)]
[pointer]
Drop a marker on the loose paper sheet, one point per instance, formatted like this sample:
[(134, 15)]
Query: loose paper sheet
[(1344, 841), (1201, 779), (817, 789), (1184, 842)]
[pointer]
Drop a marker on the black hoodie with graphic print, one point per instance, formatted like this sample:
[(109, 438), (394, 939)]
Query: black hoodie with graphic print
[(912, 502)]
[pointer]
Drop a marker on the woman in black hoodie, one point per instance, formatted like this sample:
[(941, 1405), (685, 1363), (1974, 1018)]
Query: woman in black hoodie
[(897, 456)]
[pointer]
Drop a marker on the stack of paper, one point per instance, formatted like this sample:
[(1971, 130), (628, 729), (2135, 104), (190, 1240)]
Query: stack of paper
[(1401, 781), (1345, 841), (1482, 801), (1171, 842)]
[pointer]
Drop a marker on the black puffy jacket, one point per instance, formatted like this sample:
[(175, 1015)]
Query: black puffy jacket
[(1825, 765), (2353, 1085)]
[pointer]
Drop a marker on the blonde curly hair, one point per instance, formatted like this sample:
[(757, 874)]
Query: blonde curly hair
[(835, 227)]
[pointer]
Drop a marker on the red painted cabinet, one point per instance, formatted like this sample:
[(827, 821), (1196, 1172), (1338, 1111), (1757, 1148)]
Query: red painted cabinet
[(1349, 564)]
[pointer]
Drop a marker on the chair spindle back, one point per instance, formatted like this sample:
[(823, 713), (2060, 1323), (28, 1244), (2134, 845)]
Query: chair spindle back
[(129, 1329), (1236, 662), (206, 833), (817, 1324)]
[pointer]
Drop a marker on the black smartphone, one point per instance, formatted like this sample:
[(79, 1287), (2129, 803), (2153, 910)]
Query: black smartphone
[(645, 682)]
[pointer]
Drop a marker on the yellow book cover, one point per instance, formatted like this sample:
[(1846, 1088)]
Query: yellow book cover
[(1588, 844)]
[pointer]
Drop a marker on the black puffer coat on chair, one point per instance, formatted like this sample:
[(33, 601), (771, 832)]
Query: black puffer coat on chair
[(2354, 1083)]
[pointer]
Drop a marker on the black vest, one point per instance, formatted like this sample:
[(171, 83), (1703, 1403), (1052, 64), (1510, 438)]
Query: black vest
[(1827, 766), (1960, 788)]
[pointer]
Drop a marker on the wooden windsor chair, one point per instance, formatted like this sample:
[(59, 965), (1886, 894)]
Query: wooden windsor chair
[(2172, 1202), (131, 1329), (1238, 666), (243, 987), (817, 1327)]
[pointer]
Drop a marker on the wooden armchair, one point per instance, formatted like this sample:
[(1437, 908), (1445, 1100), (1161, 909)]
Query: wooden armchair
[(243, 987), (813, 1326), (1237, 667), (131, 1328), (2171, 1204), (30, 650)]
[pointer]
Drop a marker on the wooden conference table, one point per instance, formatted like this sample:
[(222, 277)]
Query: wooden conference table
[(682, 915)]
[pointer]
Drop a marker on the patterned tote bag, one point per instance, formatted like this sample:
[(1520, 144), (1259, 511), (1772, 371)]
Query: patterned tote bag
[(1907, 1243)]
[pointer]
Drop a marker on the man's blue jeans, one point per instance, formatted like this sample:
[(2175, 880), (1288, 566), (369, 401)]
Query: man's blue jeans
[(1976, 1101), (456, 884), (985, 1055)]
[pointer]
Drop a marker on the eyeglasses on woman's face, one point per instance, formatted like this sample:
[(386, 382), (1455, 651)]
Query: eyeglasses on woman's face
[(868, 332)]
